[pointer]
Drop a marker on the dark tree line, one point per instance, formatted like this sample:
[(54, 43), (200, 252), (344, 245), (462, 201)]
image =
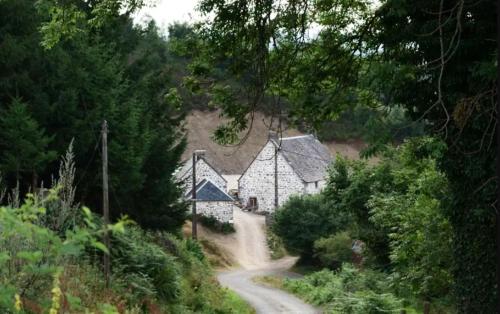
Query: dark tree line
[(51, 95)]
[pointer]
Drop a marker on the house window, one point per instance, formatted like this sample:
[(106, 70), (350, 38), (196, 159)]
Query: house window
[(316, 184), (252, 203)]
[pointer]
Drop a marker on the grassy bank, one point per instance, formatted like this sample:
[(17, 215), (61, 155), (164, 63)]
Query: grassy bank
[(57, 268), (348, 290)]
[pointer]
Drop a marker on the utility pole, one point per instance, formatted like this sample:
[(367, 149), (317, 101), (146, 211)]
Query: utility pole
[(193, 199), (498, 165), (194, 231), (276, 176), (105, 199)]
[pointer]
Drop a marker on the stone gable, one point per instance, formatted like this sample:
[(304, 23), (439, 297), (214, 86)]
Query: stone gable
[(258, 180), (203, 171)]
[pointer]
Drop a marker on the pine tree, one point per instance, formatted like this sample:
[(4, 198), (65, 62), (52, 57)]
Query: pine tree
[(23, 144)]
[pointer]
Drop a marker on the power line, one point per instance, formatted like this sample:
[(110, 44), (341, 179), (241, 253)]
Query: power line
[(90, 161)]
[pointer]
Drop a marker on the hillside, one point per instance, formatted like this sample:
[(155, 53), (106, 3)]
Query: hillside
[(234, 160)]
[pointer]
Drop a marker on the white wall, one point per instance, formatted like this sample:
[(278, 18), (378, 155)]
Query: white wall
[(203, 171), (232, 181), (258, 180), (223, 211), (311, 188)]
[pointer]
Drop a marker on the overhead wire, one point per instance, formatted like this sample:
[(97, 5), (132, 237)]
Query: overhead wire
[(98, 140)]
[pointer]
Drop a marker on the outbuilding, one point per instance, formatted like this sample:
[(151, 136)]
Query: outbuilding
[(212, 201)]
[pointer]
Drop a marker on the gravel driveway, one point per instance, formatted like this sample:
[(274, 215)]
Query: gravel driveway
[(251, 252)]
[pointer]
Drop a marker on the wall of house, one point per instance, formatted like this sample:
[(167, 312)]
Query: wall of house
[(311, 188), (258, 180), (203, 171), (221, 210)]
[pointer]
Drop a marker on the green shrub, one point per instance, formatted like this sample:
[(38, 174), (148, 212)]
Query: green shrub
[(34, 258), (275, 245), (334, 250), (215, 225), (347, 291), (134, 253), (419, 232), (303, 220)]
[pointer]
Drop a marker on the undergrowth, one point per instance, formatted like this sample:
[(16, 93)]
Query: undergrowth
[(275, 244), (215, 225), (347, 291), (51, 262)]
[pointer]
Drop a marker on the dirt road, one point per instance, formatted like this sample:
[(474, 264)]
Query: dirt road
[(249, 249)]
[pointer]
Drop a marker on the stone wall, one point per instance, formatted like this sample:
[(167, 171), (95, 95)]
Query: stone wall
[(314, 187), (203, 171), (222, 211), (258, 180)]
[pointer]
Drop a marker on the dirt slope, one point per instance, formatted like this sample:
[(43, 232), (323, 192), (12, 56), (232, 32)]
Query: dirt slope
[(201, 124)]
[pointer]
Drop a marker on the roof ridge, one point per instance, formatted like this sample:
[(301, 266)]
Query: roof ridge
[(298, 136)]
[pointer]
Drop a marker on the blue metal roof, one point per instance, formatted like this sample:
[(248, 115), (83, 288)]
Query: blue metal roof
[(207, 191)]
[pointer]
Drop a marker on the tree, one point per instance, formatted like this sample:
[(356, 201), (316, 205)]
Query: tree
[(98, 66), (350, 186), (446, 74), (23, 144), (419, 231), (266, 45)]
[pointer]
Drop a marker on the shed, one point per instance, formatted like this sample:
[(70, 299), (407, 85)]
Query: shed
[(212, 201)]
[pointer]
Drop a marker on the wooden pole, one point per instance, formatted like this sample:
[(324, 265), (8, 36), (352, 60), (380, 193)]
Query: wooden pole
[(497, 210), (427, 307), (193, 199), (276, 177), (105, 199)]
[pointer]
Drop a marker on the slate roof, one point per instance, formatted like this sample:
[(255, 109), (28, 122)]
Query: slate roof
[(207, 191), (306, 155)]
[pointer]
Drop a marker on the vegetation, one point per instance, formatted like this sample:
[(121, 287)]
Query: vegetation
[(424, 57), (347, 291), (275, 244), (334, 250), (51, 256), (385, 71), (215, 225), (55, 90), (373, 125), (396, 208), (302, 220)]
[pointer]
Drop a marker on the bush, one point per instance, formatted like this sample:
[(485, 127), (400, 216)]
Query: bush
[(35, 261), (419, 232), (135, 254), (334, 250), (347, 291), (303, 220), (275, 245), (215, 225)]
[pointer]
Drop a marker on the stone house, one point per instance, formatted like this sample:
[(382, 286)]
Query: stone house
[(204, 170), (212, 201), (297, 165)]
